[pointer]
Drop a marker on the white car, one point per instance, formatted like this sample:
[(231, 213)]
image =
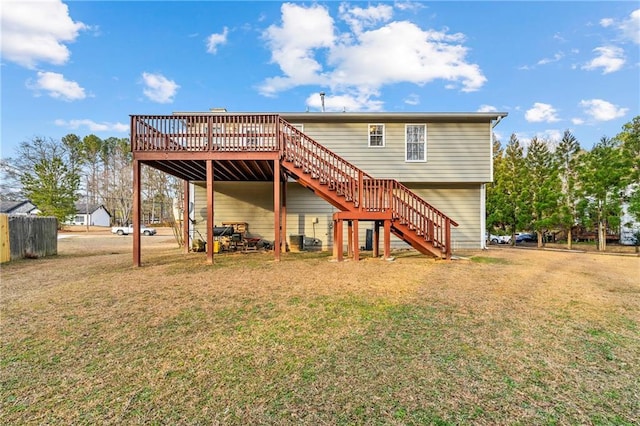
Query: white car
[(498, 239), (126, 230)]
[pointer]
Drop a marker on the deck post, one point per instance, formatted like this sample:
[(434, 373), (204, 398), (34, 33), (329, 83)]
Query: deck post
[(210, 215), (186, 223), (447, 229), (387, 239), (339, 240), (349, 238), (356, 243), (360, 189), (277, 227), (284, 214), (136, 213), (376, 238), (335, 239)]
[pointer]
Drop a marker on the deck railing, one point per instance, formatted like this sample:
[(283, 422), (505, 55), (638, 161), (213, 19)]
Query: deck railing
[(204, 132)]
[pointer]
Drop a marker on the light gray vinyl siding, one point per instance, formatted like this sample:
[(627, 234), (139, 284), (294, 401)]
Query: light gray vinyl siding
[(253, 203), (461, 203), (456, 152), (250, 202)]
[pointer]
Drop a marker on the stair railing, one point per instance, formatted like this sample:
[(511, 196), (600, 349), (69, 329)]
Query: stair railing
[(418, 215), (366, 192), (321, 163)]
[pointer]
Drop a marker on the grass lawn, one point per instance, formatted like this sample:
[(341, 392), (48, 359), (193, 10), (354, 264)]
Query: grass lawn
[(503, 336)]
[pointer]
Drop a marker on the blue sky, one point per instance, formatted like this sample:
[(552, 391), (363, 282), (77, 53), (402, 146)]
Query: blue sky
[(82, 67)]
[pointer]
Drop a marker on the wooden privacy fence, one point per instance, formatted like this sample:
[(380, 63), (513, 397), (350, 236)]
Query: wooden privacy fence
[(27, 237)]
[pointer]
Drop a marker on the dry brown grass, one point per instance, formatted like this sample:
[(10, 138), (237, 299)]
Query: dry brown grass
[(502, 336)]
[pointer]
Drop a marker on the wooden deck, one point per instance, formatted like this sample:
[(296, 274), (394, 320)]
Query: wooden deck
[(264, 147)]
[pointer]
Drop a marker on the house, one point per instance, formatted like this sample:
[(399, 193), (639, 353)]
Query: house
[(629, 226), (18, 208), (91, 214), (419, 176)]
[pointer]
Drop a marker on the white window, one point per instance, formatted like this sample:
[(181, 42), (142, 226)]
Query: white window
[(376, 135), (416, 142)]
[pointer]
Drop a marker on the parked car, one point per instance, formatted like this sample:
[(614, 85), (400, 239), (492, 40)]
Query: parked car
[(526, 238), (498, 239), (126, 230)]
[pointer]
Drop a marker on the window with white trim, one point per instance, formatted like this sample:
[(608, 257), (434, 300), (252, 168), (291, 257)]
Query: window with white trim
[(376, 135), (415, 142)]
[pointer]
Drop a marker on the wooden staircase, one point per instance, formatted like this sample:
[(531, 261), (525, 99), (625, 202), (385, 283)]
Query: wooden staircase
[(350, 189)]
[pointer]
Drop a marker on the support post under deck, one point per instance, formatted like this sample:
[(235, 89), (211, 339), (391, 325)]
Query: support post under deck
[(136, 213), (186, 223), (277, 244), (356, 243), (349, 238), (387, 239), (338, 225), (376, 238), (284, 214), (210, 216)]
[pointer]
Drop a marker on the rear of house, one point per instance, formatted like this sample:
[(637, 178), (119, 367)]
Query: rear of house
[(444, 158)]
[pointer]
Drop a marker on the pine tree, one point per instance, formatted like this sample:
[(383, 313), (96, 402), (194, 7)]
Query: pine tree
[(567, 159), (509, 196), (543, 188), (47, 177), (603, 176)]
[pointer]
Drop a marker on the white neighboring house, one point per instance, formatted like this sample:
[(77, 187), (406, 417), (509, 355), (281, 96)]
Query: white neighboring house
[(92, 214), (629, 226), (18, 208)]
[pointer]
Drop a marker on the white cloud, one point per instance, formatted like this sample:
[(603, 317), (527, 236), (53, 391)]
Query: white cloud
[(412, 99), (551, 136), (36, 31), (577, 121), (487, 108), (409, 5), (159, 88), (629, 28), (57, 87), (215, 40), (555, 58), (610, 59), (601, 110), (411, 55), (358, 18), (354, 65), (345, 102), (92, 125), (559, 37), (541, 113), (606, 22), (293, 44)]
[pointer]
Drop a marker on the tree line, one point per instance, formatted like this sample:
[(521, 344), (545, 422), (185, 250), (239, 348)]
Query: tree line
[(558, 186), (57, 174)]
